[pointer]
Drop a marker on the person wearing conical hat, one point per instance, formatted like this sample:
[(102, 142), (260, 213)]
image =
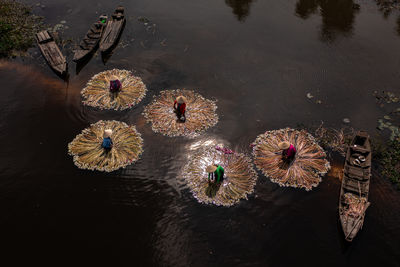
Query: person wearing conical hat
[(115, 84), (215, 173), (180, 107), (288, 151), (107, 142)]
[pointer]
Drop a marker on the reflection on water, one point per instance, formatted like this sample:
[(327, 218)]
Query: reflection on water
[(387, 7), (144, 215), (337, 15), (241, 8)]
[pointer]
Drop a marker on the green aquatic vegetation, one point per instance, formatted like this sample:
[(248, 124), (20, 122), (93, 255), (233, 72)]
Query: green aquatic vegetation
[(386, 96), (391, 162), (17, 28), (394, 130)]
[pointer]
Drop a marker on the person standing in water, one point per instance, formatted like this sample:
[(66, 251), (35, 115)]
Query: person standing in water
[(288, 151), (180, 107), (107, 143), (115, 84), (215, 173)]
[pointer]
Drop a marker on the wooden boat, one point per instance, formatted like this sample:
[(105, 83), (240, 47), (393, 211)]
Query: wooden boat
[(113, 30), (91, 40), (353, 201), (51, 52)]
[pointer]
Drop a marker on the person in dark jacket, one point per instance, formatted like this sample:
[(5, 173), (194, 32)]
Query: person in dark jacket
[(180, 107), (115, 85), (107, 143)]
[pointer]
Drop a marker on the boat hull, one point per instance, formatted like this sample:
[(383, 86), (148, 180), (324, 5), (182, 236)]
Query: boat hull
[(353, 200)]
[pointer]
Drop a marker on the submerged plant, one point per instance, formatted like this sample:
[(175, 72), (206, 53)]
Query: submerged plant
[(88, 153), (239, 179), (304, 171), (200, 114), (97, 91)]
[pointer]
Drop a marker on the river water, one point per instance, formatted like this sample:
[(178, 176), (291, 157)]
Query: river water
[(259, 59)]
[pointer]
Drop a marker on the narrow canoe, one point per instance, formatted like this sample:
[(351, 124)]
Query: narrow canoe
[(353, 201), (90, 42), (113, 30)]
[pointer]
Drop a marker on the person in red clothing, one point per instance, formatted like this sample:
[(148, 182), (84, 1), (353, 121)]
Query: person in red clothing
[(288, 151), (180, 107)]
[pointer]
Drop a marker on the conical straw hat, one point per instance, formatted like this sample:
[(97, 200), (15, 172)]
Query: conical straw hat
[(108, 132), (181, 99), (113, 78), (284, 145), (211, 168)]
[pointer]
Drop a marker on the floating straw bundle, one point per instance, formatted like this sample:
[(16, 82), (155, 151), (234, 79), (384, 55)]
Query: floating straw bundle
[(200, 114), (304, 171), (97, 92), (88, 153), (239, 179)]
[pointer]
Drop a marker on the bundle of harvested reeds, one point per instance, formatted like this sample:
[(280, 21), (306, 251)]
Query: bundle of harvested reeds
[(356, 205), (200, 114), (304, 171), (88, 153), (97, 91), (239, 179)]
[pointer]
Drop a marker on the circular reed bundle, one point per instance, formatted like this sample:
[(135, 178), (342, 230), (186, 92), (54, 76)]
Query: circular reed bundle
[(88, 153), (308, 166), (97, 91), (239, 179), (200, 114)]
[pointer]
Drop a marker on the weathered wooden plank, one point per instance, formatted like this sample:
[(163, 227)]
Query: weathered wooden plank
[(46, 35)]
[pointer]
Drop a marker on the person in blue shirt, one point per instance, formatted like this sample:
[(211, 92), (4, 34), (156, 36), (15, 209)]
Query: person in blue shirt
[(107, 142)]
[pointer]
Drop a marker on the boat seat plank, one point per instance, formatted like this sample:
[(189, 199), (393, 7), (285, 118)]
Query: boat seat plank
[(358, 173), (363, 189), (46, 35), (42, 37)]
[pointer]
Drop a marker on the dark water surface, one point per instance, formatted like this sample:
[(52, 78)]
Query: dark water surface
[(259, 59)]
